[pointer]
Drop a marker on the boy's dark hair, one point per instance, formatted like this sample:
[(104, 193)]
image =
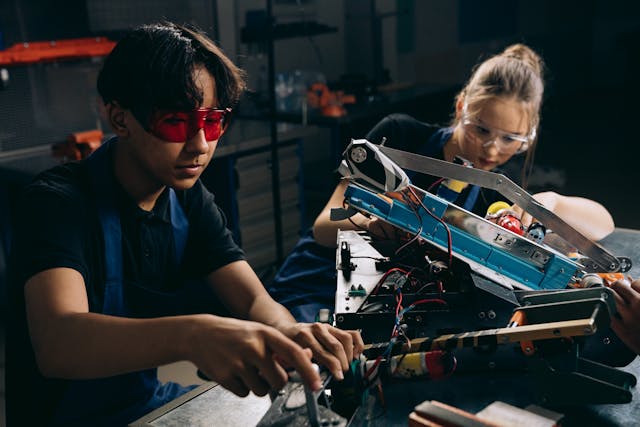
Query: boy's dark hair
[(152, 68)]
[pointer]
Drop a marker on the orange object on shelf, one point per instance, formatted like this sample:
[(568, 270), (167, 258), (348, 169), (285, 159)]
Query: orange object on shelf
[(79, 145), (55, 50), (330, 103)]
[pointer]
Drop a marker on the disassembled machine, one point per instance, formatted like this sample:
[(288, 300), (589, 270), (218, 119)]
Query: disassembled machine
[(462, 293)]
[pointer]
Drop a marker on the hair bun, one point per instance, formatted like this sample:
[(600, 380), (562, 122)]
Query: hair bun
[(524, 53)]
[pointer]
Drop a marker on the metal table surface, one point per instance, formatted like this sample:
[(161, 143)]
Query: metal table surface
[(206, 406)]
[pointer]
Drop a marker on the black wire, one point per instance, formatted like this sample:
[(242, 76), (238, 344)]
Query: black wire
[(371, 257), (417, 214), (444, 224), (316, 49), (360, 227)]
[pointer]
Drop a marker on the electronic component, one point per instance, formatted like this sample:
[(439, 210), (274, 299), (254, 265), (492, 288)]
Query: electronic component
[(463, 293), (381, 188), (345, 259)]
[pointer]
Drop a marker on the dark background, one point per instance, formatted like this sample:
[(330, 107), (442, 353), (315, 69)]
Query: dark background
[(588, 135)]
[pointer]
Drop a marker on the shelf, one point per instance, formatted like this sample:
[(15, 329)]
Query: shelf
[(55, 50), (257, 33)]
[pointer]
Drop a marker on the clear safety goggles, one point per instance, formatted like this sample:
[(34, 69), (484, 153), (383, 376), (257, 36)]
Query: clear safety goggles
[(505, 142)]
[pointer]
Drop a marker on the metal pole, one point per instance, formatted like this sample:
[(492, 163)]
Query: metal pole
[(275, 163)]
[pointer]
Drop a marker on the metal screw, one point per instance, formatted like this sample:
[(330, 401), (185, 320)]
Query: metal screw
[(491, 314), (418, 318), (340, 319), (606, 340), (492, 365), (481, 315)]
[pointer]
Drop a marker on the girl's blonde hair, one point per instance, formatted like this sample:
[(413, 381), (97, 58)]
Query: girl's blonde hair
[(516, 73)]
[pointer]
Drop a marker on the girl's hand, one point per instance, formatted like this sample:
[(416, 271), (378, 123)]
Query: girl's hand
[(548, 199), (382, 230), (626, 324)]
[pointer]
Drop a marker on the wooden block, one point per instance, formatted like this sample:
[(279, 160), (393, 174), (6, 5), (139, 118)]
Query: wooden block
[(547, 413), (448, 416), (416, 420), (505, 415)]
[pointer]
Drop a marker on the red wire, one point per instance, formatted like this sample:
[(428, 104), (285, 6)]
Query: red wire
[(374, 291), (428, 300), (399, 305), (436, 182), (395, 332), (373, 367)]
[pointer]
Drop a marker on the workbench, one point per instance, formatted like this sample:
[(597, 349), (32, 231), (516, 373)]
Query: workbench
[(209, 404)]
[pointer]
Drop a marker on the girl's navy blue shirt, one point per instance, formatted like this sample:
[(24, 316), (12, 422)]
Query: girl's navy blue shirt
[(306, 282)]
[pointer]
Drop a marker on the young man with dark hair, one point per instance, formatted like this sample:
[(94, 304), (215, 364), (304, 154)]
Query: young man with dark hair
[(110, 255)]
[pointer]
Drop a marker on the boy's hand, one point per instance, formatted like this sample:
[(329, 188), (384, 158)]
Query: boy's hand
[(332, 348), (246, 356)]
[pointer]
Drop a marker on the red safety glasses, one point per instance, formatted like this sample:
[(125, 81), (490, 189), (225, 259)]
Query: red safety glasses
[(181, 126)]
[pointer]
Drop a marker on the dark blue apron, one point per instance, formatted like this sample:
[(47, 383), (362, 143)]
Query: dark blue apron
[(306, 281), (118, 400)]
